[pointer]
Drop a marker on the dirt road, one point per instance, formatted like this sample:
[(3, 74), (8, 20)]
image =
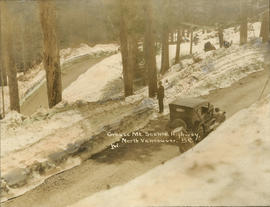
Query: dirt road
[(70, 72), (110, 168)]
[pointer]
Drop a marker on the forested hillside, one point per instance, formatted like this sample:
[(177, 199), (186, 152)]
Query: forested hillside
[(99, 94), (96, 21)]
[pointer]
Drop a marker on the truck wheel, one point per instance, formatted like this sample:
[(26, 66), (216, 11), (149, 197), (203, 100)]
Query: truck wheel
[(200, 133), (176, 125)]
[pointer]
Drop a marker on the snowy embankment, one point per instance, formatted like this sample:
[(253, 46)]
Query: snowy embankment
[(36, 76), (104, 80), (32, 144), (230, 167), (90, 85), (215, 69), (218, 69), (96, 51), (51, 141)]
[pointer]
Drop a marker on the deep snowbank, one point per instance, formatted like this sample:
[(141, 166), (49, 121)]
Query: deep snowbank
[(49, 142), (230, 167)]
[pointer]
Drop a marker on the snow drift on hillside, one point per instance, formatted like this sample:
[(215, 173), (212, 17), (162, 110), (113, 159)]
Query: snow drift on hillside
[(32, 138), (215, 69), (96, 51), (89, 85), (36, 76), (20, 132), (218, 69), (51, 139), (230, 167)]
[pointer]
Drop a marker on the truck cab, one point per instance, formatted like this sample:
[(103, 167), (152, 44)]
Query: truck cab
[(194, 115)]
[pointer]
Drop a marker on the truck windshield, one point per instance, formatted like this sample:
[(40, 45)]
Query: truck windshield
[(180, 110)]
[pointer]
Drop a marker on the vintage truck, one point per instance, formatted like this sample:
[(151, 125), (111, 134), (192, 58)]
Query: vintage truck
[(194, 116)]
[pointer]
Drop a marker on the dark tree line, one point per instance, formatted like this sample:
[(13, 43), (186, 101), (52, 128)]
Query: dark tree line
[(140, 26), (7, 56)]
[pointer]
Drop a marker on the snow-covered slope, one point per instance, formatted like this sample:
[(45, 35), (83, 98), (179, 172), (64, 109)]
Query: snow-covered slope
[(30, 139), (230, 167), (36, 76), (96, 51), (217, 69), (89, 86)]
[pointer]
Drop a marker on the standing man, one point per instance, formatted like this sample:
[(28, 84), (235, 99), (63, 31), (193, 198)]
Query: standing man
[(160, 96)]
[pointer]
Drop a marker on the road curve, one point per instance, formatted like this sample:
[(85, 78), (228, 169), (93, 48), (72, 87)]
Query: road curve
[(70, 72), (111, 168)]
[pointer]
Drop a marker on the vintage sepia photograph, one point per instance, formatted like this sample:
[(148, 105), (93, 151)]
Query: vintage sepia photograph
[(134, 103)]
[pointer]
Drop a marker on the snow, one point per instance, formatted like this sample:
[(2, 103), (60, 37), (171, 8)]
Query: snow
[(96, 51), (218, 69), (215, 69), (20, 132), (89, 86), (35, 77), (172, 49), (230, 167), (29, 139)]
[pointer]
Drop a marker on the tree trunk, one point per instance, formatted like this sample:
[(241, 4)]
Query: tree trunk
[(244, 24), (220, 37), (3, 96), (177, 54), (188, 32), (132, 60), (145, 73), (165, 50), (7, 44), (268, 19), (262, 30), (172, 37), (124, 45), (150, 53), (23, 31), (3, 80), (135, 51), (265, 28), (51, 57), (191, 41), (183, 33), (243, 32)]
